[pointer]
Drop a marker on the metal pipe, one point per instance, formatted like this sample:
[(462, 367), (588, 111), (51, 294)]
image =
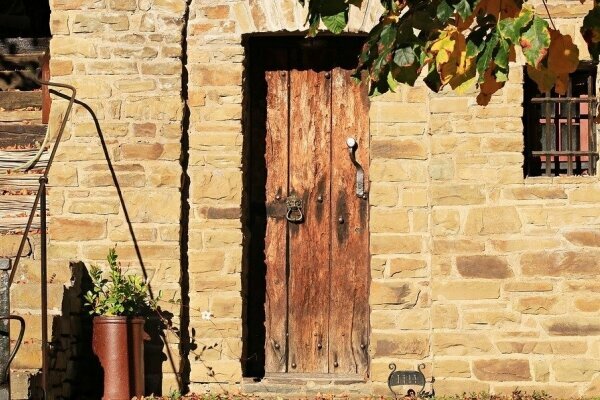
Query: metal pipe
[(44, 286), (45, 174)]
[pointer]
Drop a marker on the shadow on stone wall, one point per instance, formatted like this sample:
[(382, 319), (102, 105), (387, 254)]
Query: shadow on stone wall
[(74, 372)]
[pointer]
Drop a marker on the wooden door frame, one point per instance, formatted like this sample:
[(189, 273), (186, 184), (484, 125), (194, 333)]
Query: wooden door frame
[(254, 173)]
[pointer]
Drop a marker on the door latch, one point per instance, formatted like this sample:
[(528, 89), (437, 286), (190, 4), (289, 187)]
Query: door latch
[(294, 209), (360, 173)]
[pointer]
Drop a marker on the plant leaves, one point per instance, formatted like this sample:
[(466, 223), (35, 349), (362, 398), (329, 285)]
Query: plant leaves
[(444, 11), (590, 30), (511, 28), (334, 14), (404, 56), (535, 41), (563, 54), (463, 8)]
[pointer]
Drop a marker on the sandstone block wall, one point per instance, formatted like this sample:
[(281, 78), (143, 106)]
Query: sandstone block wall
[(487, 277), (124, 59)]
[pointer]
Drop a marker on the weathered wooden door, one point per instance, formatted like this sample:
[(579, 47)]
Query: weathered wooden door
[(317, 268)]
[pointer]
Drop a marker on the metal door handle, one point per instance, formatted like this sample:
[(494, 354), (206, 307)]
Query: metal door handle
[(360, 173), (294, 209)]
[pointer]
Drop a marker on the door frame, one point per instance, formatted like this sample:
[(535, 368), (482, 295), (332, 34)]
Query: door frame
[(254, 175)]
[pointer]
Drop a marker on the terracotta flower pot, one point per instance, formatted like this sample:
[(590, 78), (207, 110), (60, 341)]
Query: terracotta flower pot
[(119, 344)]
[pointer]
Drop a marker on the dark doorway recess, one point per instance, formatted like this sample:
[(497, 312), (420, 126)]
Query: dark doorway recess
[(24, 18), (265, 54)]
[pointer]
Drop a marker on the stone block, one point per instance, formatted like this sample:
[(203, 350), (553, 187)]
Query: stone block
[(398, 149), (452, 368), (403, 345), (575, 369), (72, 46), (583, 238), (501, 370), (572, 326), (491, 318), (76, 229), (492, 220), (483, 266), (535, 286), (388, 221), (396, 244), (389, 171), (461, 344), (407, 268), (454, 246), (216, 185), (561, 264), (396, 293), (444, 316), (534, 193), (465, 290), (153, 206), (541, 305), (450, 195), (585, 194)]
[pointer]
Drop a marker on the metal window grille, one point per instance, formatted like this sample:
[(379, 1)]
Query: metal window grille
[(560, 135)]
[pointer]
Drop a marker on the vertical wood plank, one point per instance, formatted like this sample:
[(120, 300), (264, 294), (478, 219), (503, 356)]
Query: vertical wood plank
[(350, 271), (276, 158), (310, 125)]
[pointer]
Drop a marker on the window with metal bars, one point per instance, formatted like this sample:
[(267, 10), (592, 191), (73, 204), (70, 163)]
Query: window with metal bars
[(560, 131)]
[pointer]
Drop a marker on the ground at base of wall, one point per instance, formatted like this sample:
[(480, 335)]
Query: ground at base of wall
[(515, 395)]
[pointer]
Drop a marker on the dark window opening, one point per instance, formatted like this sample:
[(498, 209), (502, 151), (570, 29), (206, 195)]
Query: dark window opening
[(24, 18), (560, 131)]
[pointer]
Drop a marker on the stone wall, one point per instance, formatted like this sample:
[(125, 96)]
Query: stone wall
[(123, 56), (482, 274), (485, 276)]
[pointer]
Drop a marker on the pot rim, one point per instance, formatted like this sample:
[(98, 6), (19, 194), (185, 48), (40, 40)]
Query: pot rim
[(117, 319)]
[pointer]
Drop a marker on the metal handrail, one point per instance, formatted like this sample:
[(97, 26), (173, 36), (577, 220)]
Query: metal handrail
[(47, 170), (41, 198)]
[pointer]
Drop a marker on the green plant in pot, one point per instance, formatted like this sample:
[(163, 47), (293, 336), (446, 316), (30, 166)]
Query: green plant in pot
[(120, 302)]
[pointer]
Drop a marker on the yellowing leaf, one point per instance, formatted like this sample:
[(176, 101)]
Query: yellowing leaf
[(563, 54), (443, 47), (542, 76)]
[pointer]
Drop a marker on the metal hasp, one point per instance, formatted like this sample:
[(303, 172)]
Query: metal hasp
[(410, 378), (360, 173)]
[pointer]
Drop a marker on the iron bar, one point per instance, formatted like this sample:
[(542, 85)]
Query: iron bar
[(44, 285), (569, 138), (548, 135), (591, 125), (561, 153), (564, 99)]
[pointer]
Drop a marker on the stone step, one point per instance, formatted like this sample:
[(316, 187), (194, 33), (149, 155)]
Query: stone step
[(21, 135), (341, 387), (28, 116), (16, 99)]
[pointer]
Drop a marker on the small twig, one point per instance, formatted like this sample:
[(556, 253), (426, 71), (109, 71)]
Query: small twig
[(549, 16)]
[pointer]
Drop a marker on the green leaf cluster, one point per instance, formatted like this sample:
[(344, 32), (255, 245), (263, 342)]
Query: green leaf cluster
[(459, 43), (117, 294)]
